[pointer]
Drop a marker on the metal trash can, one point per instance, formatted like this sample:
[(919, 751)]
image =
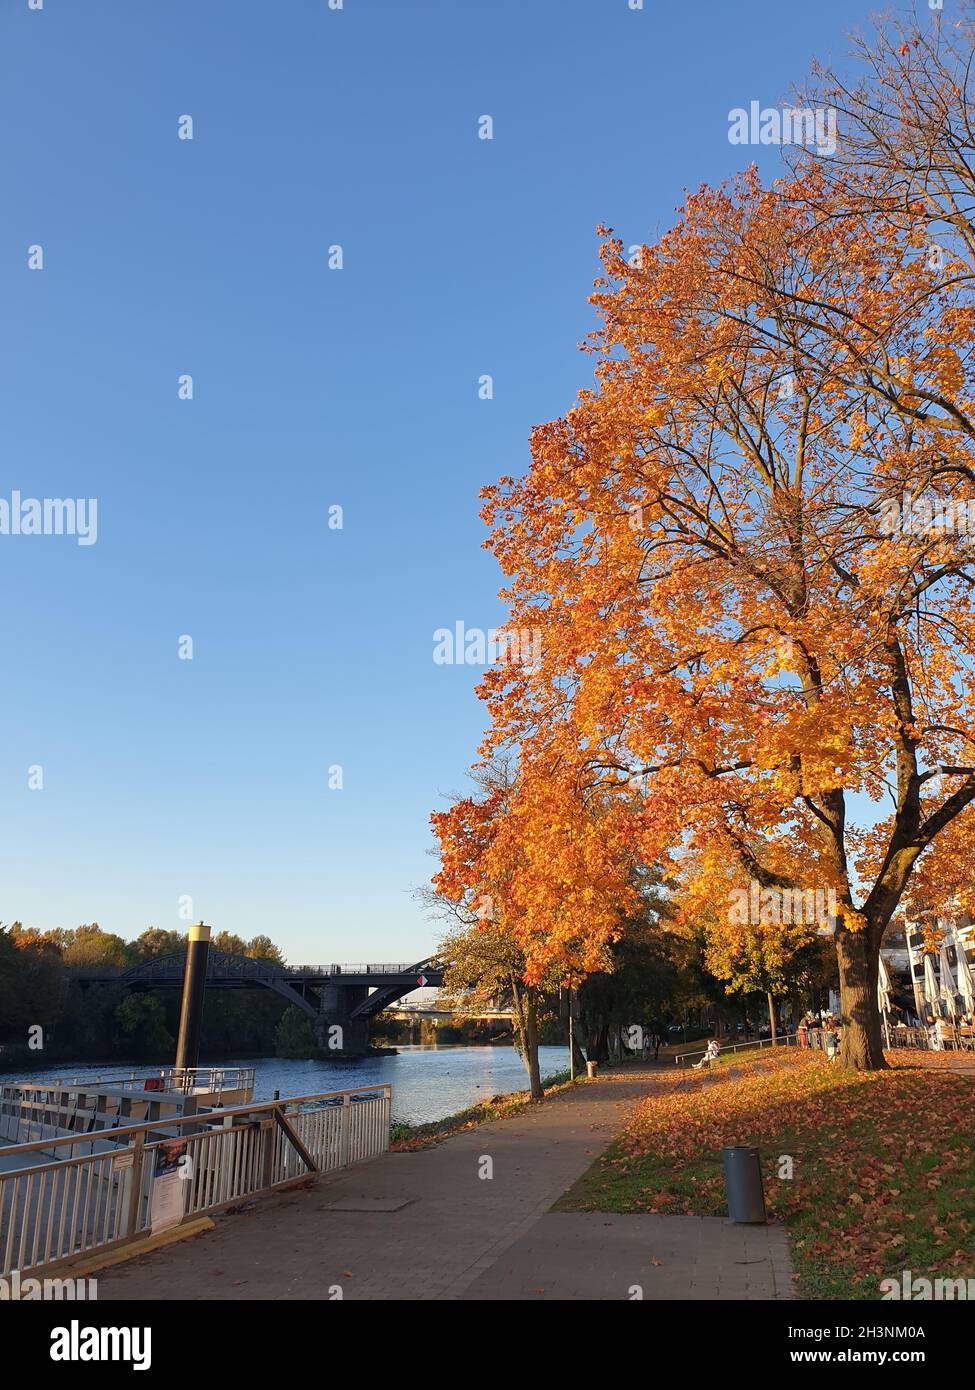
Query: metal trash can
[(743, 1184), (591, 1070)]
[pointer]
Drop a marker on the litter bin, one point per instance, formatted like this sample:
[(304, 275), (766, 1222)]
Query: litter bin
[(743, 1184), (591, 1070)]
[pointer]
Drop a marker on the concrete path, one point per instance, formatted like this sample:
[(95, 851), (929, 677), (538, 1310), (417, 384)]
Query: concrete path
[(602, 1255), (468, 1219)]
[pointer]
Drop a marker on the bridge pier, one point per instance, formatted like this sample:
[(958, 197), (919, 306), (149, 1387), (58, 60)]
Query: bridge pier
[(337, 1002)]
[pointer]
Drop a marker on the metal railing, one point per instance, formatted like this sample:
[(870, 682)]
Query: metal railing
[(785, 1040), (382, 968), (182, 1079), (31, 1110), (79, 1203)]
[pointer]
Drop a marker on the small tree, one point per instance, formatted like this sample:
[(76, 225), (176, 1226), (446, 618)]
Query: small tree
[(763, 959), (538, 882), (293, 1036), (482, 966), (140, 1028)]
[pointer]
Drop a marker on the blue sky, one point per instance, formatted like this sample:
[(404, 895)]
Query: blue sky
[(209, 779)]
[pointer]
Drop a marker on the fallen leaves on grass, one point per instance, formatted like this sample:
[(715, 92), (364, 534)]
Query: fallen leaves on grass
[(881, 1163)]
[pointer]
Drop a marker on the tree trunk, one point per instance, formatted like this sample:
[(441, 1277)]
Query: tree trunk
[(771, 1015), (597, 1049), (531, 1044), (858, 957), (579, 1057), (521, 1026)]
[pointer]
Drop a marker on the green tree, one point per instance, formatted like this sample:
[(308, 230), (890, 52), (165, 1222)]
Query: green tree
[(31, 984), (140, 1028), (263, 948), (643, 977), (293, 1036), (155, 942), (761, 959), (90, 946)]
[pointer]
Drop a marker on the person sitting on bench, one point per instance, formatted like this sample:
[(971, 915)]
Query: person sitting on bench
[(710, 1056)]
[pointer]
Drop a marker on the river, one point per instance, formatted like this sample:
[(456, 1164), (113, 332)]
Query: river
[(428, 1082)]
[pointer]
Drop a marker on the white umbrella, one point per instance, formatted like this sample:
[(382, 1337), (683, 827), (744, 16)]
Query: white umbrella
[(917, 981), (948, 990), (883, 987), (930, 983), (883, 996), (966, 986)]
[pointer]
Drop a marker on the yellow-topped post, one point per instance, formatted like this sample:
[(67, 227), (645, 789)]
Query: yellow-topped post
[(191, 1008)]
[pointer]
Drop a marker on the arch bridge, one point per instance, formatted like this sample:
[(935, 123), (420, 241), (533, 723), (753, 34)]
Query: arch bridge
[(346, 996)]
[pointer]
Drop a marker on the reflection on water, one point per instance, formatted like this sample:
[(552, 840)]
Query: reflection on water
[(428, 1082)]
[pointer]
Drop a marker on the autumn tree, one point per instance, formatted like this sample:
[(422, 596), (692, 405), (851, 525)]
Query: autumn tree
[(740, 628), (484, 965), (906, 121), (538, 879)]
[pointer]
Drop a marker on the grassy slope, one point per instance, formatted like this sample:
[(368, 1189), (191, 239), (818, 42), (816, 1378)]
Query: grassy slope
[(883, 1169)]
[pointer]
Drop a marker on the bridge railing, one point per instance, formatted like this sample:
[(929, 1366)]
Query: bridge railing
[(170, 967), (132, 1182), (381, 968)]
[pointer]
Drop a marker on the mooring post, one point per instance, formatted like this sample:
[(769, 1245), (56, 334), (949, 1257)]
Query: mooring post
[(191, 1008)]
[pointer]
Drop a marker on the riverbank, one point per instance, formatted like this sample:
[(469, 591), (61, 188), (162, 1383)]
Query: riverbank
[(406, 1138)]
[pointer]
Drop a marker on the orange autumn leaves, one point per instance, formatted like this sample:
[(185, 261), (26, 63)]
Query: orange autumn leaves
[(731, 643), (538, 865)]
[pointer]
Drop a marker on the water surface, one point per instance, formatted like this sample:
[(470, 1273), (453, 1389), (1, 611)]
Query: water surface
[(428, 1082)]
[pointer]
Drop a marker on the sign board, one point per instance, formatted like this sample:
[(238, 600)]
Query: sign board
[(169, 1187)]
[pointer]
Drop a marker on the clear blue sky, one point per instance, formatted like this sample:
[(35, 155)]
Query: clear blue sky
[(312, 387)]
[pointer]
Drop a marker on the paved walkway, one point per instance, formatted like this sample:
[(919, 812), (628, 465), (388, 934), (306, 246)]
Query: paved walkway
[(428, 1225)]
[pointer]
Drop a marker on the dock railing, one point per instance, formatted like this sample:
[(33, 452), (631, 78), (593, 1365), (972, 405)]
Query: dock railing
[(185, 1079), (131, 1182)]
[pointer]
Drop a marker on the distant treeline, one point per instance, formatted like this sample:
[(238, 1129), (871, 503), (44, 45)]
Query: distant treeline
[(46, 1018)]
